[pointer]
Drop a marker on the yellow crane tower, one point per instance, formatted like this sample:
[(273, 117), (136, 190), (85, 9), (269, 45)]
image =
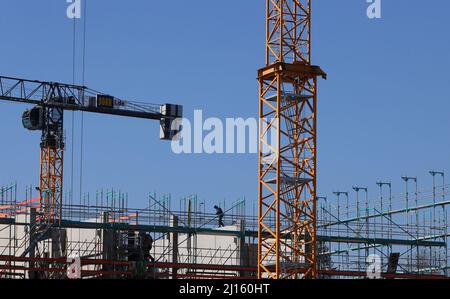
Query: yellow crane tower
[(288, 144)]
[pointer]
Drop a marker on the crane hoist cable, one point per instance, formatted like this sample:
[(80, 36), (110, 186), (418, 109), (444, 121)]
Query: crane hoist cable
[(73, 112), (83, 74)]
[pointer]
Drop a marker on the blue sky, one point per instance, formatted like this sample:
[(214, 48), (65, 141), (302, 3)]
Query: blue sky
[(383, 112)]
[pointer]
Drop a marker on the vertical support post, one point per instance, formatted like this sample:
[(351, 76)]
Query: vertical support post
[(445, 224), (338, 194), (174, 246), (243, 249), (367, 222), (358, 216), (389, 233), (32, 232), (406, 179), (109, 240), (444, 216), (347, 204), (416, 202)]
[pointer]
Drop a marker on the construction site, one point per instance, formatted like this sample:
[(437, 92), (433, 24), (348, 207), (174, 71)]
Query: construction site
[(408, 232), (400, 231)]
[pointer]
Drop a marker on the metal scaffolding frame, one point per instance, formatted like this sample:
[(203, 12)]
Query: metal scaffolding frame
[(347, 232)]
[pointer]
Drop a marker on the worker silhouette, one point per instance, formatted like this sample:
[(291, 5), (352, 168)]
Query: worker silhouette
[(220, 214), (147, 245)]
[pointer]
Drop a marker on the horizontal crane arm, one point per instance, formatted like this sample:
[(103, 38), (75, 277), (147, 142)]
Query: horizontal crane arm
[(58, 96), (73, 97)]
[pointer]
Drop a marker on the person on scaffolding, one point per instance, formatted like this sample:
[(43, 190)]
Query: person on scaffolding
[(220, 214), (147, 245)]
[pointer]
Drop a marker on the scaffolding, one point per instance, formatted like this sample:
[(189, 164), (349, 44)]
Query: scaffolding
[(408, 232), (101, 228)]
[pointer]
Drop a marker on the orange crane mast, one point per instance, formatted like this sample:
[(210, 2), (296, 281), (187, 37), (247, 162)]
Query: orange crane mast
[(287, 221)]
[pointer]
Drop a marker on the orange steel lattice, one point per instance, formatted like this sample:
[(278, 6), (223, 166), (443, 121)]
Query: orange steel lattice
[(288, 144), (51, 183)]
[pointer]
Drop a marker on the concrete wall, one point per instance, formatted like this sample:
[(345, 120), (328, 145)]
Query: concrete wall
[(206, 249)]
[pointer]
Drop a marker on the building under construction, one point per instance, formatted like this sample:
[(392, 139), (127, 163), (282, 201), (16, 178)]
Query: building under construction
[(292, 232), (408, 232)]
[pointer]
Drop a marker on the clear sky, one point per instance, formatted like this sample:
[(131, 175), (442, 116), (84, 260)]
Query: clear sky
[(383, 112)]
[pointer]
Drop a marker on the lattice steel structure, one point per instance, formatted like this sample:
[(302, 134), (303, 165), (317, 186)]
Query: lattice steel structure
[(50, 100), (51, 182), (287, 154)]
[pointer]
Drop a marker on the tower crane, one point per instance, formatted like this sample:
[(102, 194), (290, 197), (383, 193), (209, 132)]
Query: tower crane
[(287, 221), (50, 100)]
